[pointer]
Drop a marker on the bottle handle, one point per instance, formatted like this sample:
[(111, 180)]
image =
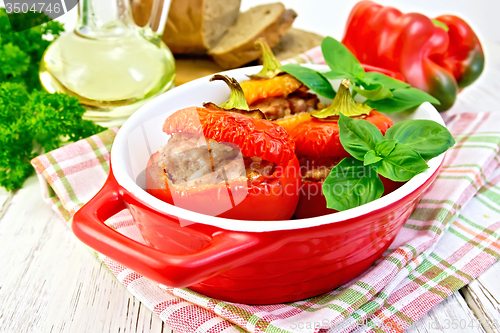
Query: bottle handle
[(157, 19)]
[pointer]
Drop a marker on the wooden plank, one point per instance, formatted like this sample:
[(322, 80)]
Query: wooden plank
[(188, 69), (53, 283), (483, 296), (451, 315), (5, 199)]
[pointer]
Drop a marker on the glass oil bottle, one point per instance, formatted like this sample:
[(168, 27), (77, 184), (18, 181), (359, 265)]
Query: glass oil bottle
[(109, 63)]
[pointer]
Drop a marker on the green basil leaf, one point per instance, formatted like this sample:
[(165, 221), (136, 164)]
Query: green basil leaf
[(336, 74), (402, 164), (374, 92), (389, 82), (402, 99), (312, 79), (351, 184), (371, 157), (385, 147), (338, 57), (427, 137), (358, 136)]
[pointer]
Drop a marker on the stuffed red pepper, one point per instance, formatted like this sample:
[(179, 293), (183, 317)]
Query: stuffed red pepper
[(279, 95), (318, 148), (226, 164)]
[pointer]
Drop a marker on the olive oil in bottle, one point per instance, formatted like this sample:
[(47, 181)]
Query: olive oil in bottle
[(109, 64)]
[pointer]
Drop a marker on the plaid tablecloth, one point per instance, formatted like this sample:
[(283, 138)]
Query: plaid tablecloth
[(451, 238)]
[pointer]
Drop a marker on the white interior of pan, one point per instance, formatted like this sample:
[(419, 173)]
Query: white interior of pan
[(142, 135)]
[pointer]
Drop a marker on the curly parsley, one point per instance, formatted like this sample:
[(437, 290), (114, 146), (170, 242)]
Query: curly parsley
[(32, 121)]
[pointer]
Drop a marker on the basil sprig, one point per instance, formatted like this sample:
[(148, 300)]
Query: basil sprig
[(399, 156), (351, 184), (382, 92), (312, 79), (429, 141), (358, 136)]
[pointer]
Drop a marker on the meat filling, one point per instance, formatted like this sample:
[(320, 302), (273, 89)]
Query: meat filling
[(316, 170), (281, 107), (191, 160)]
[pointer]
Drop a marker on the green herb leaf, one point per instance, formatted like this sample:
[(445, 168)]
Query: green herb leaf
[(358, 136), (15, 62), (56, 119), (374, 92), (338, 74), (427, 137), (389, 82), (383, 93), (312, 79), (21, 51), (32, 121), (402, 99), (402, 164), (339, 58), (351, 184), (371, 157), (31, 124), (385, 147)]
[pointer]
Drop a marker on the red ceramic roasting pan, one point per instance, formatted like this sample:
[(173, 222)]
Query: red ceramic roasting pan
[(253, 262)]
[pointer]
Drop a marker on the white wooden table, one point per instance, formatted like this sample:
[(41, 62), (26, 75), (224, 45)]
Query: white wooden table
[(50, 282)]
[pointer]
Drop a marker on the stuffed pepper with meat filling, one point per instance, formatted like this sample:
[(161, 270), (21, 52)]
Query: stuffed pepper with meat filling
[(282, 97), (224, 161), (318, 148)]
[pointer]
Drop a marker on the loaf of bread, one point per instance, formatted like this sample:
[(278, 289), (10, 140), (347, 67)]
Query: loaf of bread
[(295, 42), (236, 47), (193, 26), (218, 28)]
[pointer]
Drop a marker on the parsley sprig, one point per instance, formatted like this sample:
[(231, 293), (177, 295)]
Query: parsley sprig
[(32, 121)]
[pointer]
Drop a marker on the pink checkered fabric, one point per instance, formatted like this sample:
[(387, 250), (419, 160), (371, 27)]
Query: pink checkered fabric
[(451, 238)]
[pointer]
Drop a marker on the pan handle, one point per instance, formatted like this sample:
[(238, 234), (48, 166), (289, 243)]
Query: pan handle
[(225, 249)]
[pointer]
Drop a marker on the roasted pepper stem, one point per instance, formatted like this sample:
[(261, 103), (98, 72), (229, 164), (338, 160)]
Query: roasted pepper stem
[(236, 101), (237, 98), (270, 65), (343, 103)]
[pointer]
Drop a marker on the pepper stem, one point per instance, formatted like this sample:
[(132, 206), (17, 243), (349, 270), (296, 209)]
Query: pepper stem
[(270, 65), (236, 99), (343, 103)]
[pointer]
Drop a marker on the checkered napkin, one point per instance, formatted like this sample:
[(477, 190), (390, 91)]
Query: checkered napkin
[(313, 56), (451, 238)]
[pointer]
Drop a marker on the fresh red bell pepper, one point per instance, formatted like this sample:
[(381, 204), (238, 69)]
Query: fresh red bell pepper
[(270, 196), (438, 56)]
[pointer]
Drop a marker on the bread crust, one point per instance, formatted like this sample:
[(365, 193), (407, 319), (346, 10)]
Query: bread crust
[(246, 52), (184, 30), (296, 41)]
